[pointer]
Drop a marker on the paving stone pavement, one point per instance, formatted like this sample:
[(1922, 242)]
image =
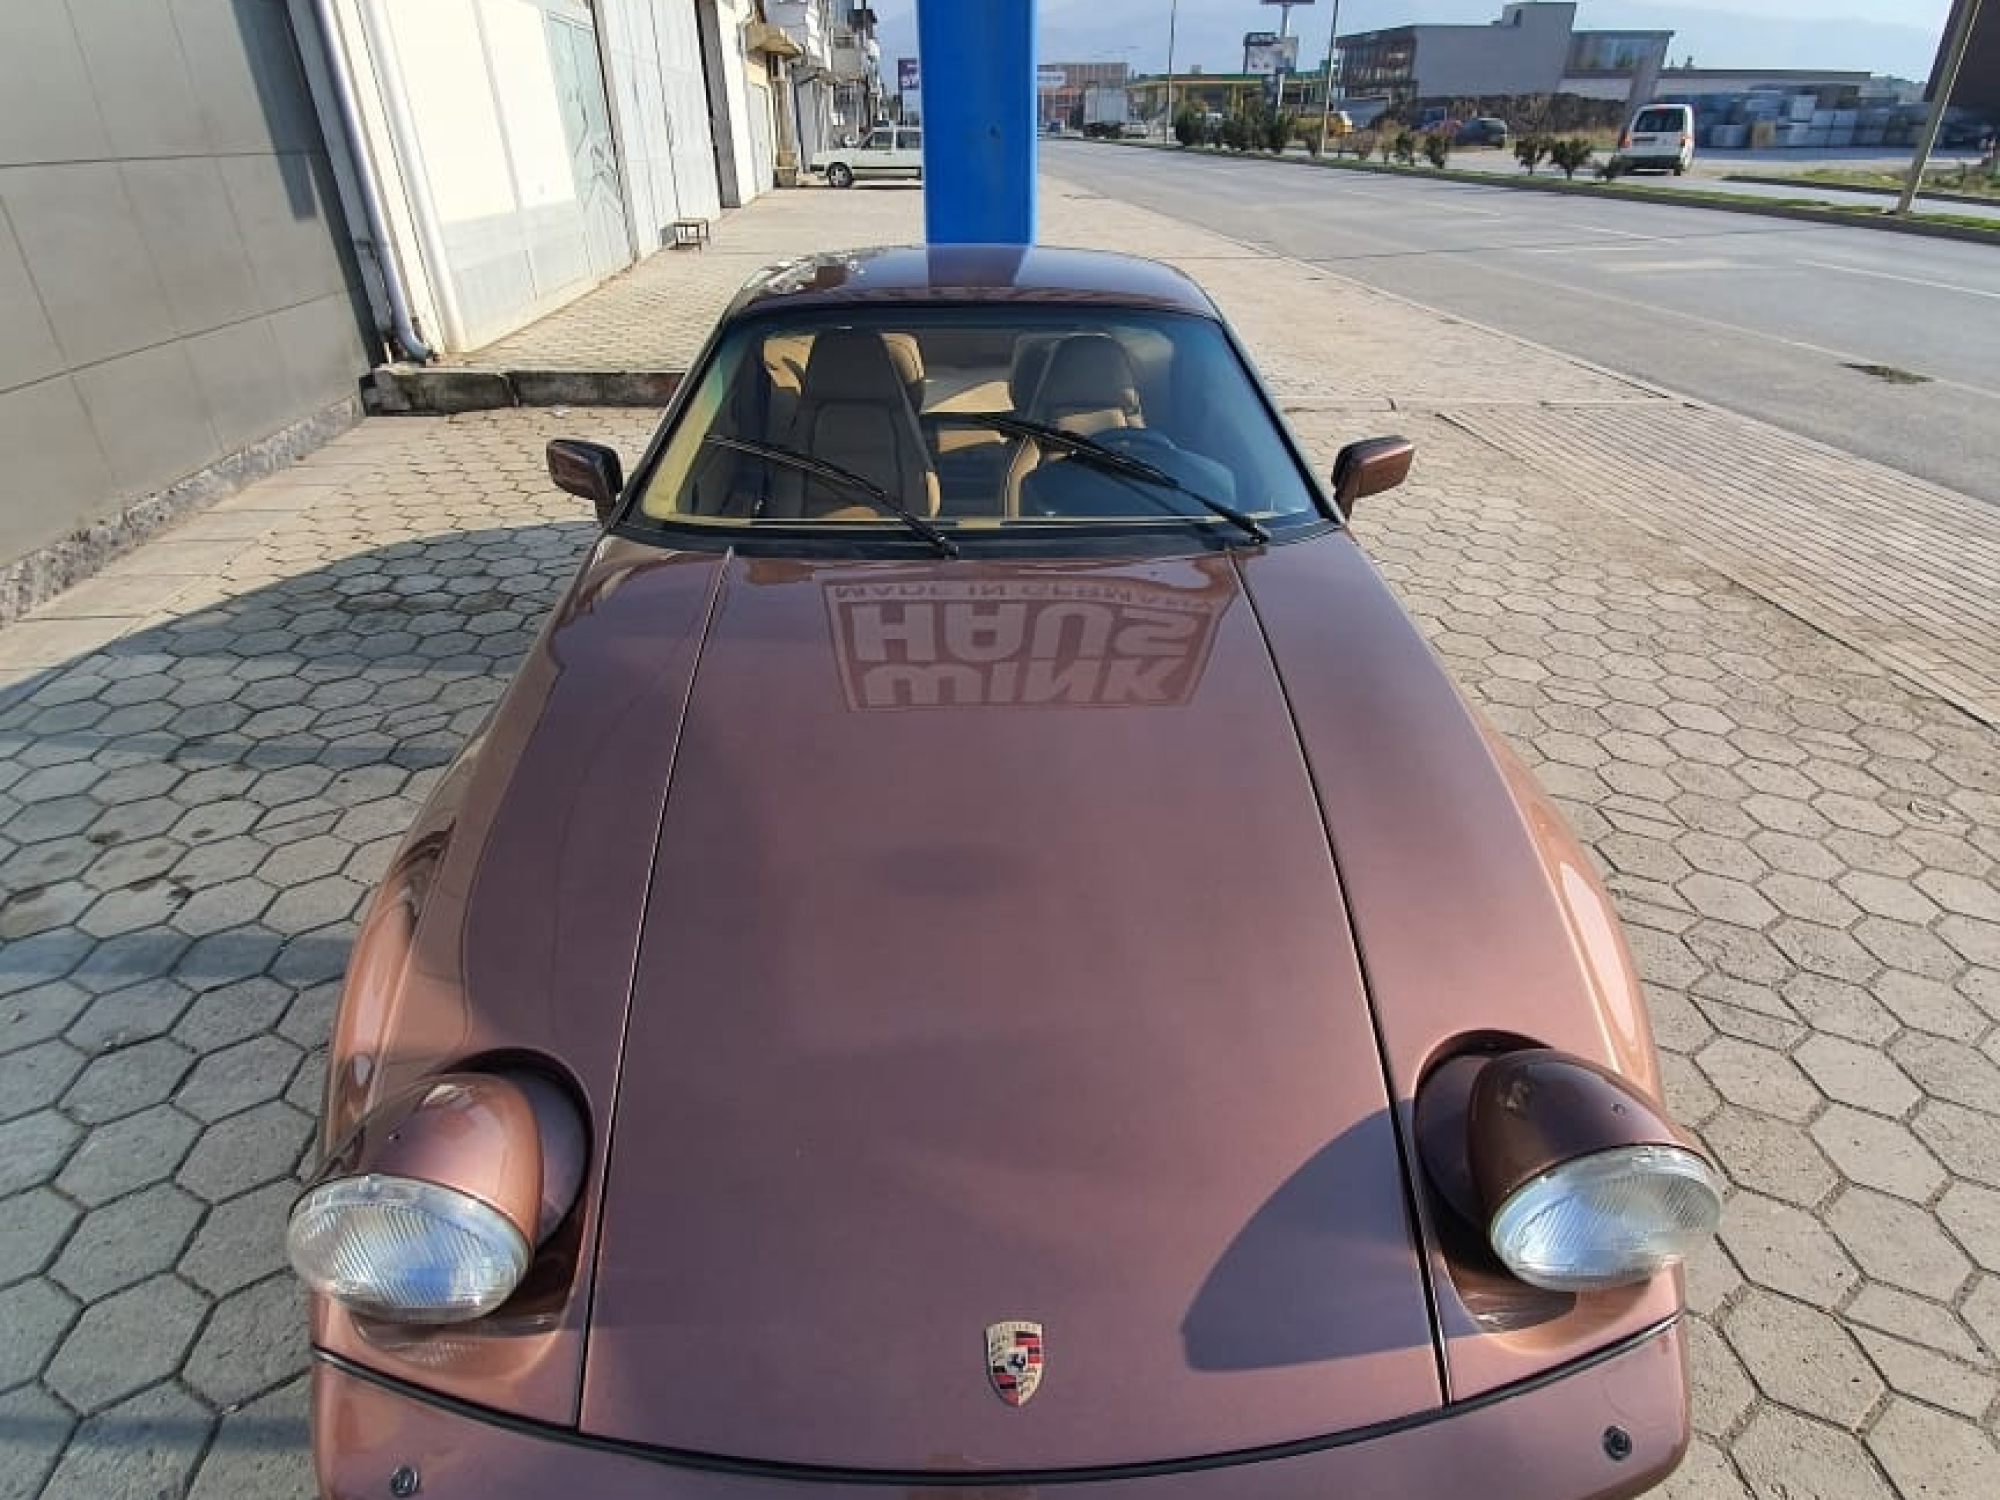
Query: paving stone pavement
[(206, 755)]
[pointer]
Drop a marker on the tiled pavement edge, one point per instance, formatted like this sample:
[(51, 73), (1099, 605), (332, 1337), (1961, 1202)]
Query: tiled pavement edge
[(211, 754)]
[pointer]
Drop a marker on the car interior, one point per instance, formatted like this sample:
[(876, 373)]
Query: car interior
[(963, 422)]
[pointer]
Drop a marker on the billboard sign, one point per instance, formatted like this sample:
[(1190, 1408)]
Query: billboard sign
[(1267, 53), (909, 92)]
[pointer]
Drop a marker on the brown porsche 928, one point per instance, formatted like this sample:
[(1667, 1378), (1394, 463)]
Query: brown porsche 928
[(981, 954)]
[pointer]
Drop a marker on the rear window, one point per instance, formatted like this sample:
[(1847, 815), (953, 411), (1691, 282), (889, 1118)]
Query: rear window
[(1659, 120)]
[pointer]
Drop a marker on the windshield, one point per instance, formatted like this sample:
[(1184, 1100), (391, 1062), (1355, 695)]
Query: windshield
[(976, 422)]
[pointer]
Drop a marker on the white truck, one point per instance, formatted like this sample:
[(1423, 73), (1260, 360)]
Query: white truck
[(1107, 110)]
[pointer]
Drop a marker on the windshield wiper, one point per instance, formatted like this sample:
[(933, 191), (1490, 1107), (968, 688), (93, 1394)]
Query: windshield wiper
[(1091, 451), (819, 468)]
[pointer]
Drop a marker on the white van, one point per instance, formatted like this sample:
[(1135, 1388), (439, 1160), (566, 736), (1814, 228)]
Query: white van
[(1660, 135)]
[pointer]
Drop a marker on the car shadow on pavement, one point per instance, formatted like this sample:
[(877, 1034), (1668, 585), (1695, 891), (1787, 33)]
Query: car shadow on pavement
[(190, 821)]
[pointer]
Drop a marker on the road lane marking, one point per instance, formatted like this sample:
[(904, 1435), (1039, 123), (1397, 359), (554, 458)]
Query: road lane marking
[(1623, 234), (1942, 286)]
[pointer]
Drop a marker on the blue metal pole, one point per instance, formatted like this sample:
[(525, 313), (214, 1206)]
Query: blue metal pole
[(979, 120)]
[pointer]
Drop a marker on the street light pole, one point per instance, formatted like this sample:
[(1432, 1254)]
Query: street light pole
[(1961, 37), (1173, 15), (1326, 94)]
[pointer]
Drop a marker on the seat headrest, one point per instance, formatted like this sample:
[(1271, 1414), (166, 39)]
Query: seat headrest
[(850, 364), (1031, 363), (909, 362), (1088, 372)]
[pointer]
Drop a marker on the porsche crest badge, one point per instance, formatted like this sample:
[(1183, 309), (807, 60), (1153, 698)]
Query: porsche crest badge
[(1014, 1360)]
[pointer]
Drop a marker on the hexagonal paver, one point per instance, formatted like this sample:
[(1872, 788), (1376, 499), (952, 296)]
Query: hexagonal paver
[(33, 1148), (1927, 1453), (38, 1013), (126, 1154), (126, 1081), (35, 1313), (1949, 1070), (34, 1427), (241, 1242), (1802, 1357), (1722, 1392), (255, 1451), (35, 1077), (1785, 1455), (32, 1229), (1967, 1388), (246, 1151), (143, 1448), (1898, 1242), (1769, 1155), (254, 1341), (1972, 1214), (232, 1013), (125, 1242), (233, 1079), (1787, 1250), (1758, 1078), (1878, 1153), (127, 1343), (130, 1014), (1855, 1075)]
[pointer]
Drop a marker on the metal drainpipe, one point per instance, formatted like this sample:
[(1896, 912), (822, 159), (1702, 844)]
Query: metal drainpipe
[(401, 324)]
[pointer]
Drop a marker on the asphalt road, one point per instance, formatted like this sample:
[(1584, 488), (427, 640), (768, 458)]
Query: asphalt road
[(1763, 316)]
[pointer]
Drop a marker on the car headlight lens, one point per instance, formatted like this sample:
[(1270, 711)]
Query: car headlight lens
[(404, 1250), (1607, 1219)]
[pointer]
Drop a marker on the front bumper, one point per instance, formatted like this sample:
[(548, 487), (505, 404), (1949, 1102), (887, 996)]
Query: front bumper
[(1545, 1441)]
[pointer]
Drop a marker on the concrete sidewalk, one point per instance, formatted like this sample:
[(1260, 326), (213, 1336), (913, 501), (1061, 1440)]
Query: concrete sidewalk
[(207, 753)]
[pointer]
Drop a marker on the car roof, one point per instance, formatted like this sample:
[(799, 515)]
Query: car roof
[(960, 274)]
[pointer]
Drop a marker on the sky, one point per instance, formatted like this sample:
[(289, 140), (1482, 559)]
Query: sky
[(1836, 34)]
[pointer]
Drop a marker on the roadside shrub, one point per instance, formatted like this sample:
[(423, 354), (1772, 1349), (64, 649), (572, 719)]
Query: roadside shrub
[(1406, 148), (1437, 148), (1571, 153), (1362, 143), (1189, 127), (1529, 151), (1278, 131)]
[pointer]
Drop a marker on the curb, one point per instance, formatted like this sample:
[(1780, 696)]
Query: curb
[(441, 391), (1935, 195), (1851, 218)]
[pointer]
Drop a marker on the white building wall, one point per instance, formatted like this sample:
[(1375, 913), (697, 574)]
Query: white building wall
[(490, 134), (740, 85), (652, 56)]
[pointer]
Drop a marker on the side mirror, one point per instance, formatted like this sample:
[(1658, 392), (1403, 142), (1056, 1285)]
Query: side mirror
[(590, 470), (1368, 468)]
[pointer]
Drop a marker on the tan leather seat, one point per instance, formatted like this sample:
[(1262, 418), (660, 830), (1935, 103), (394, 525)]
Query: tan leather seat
[(854, 412), (1087, 388)]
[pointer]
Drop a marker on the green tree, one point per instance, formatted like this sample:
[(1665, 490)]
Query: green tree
[(1437, 148), (1189, 127), (1406, 148), (1529, 151), (1571, 153)]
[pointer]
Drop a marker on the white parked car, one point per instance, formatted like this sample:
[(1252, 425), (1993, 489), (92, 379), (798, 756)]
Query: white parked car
[(889, 151), (1661, 136)]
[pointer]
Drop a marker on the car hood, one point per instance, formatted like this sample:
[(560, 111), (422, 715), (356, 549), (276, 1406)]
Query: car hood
[(995, 966)]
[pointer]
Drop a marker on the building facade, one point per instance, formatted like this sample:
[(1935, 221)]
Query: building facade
[(1978, 85), (217, 215), (180, 306), (1533, 48)]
